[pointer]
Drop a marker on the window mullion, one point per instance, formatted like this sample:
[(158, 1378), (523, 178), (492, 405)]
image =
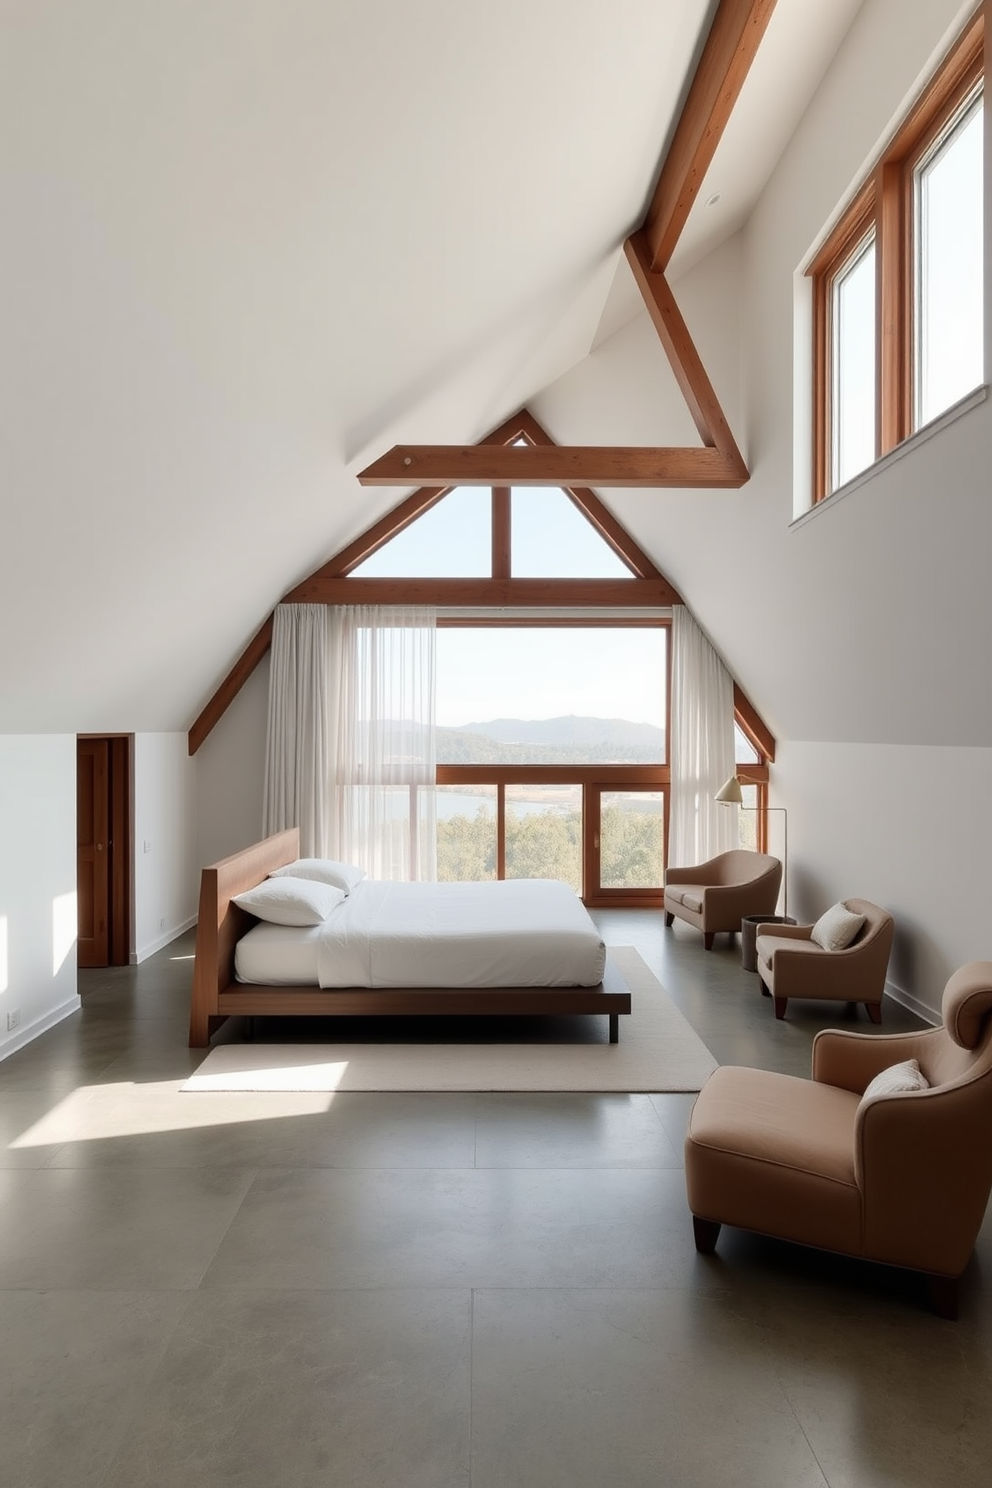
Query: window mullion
[(501, 532), (893, 249)]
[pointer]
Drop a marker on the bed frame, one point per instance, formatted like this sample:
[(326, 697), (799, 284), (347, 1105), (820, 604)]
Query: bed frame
[(216, 994)]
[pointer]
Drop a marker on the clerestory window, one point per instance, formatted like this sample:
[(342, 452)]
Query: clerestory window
[(898, 284)]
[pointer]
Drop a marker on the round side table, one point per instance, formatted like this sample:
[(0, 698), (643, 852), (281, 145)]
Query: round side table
[(749, 934)]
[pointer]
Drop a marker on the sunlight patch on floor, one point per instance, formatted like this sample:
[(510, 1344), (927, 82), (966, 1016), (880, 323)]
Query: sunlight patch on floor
[(101, 1112)]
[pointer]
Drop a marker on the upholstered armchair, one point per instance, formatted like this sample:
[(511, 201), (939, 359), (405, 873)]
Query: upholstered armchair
[(717, 894), (790, 964), (900, 1178)]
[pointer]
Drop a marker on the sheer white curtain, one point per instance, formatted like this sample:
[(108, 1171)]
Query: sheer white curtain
[(382, 750), (702, 746), (296, 790), (350, 750)]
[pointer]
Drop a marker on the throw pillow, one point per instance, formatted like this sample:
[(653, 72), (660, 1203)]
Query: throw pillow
[(322, 870), (291, 901), (835, 930), (897, 1078)]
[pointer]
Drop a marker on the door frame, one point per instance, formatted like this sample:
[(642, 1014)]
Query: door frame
[(120, 793)]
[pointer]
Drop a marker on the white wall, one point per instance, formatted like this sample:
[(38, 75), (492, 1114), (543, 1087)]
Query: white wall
[(230, 771), (165, 868), (37, 884)]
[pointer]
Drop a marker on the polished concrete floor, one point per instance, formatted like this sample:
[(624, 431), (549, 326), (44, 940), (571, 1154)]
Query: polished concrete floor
[(436, 1290)]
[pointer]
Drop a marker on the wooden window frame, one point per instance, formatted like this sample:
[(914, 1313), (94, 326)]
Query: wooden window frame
[(885, 203), (596, 778)]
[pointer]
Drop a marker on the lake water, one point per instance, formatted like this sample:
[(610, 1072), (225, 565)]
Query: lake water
[(450, 805)]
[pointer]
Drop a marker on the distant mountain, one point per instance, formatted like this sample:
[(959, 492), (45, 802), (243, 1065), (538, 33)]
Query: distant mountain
[(569, 740), (570, 729)]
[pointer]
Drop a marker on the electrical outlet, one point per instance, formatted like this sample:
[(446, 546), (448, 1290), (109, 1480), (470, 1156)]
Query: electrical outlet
[(161, 923), (13, 1019)]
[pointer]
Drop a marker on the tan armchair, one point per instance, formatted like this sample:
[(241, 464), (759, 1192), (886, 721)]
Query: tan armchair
[(792, 965), (903, 1179), (717, 894)]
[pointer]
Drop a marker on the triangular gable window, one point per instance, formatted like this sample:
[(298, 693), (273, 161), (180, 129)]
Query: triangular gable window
[(464, 532)]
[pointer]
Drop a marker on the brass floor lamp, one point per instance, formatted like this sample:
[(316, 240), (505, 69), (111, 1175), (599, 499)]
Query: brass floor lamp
[(730, 794)]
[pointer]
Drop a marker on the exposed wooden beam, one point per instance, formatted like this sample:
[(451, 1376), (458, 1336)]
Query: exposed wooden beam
[(690, 374), (485, 592), (730, 48), (753, 726), (561, 465), (231, 685)]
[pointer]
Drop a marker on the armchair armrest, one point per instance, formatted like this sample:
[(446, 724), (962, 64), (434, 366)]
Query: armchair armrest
[(786, 932), (925, 1181), (700, 874), (850, 1060)]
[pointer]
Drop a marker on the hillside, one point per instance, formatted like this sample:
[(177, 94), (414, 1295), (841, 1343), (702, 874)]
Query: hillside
[(566, 740)]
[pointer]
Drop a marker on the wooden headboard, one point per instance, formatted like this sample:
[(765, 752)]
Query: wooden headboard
[(221, 923)]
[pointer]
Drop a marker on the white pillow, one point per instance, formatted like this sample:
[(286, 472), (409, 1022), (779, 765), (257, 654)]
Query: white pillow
[(898, 1077), (835, 930), (322, 870), (291, 901)]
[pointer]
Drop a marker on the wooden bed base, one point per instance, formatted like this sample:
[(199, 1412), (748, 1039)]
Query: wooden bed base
[(217, 995)]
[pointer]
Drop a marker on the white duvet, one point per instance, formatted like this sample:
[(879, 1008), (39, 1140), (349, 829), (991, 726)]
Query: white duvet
[(527, 932)]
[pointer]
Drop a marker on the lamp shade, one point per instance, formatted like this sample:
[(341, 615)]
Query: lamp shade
[(730, 793)]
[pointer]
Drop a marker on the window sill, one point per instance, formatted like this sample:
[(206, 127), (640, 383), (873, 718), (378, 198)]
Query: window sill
[(936, 426)]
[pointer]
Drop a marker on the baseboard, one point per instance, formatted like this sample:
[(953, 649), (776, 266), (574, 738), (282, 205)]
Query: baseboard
[(38, 1027), (913, 1004), (166, 938)]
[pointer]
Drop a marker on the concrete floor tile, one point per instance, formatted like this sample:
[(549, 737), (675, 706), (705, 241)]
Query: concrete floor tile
[(885, 1393), (369, 1389), (487, 1227), (578, 1130), (74, 1368), (639, 1388), (108, 1229)]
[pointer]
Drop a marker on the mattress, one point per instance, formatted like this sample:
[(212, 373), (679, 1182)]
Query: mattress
[(507, 933)]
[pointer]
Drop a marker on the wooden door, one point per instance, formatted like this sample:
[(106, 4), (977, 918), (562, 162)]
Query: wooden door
[(92, 851)]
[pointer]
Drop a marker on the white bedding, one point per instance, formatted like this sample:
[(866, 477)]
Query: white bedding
[(510, 933)]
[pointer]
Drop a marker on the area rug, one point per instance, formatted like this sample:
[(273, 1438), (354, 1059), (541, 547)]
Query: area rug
[(658, 1051)]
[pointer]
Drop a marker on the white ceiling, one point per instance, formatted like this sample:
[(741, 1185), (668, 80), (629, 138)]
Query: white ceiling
[(250, 244)]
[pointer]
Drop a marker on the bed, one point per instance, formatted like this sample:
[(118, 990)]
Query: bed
[(218, 994)]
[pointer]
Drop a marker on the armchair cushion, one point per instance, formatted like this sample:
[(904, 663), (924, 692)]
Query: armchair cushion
[(836, 928), (896, 1079)]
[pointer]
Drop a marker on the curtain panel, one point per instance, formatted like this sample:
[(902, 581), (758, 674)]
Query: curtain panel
[(295, 792), (351, 751), (702, 746)]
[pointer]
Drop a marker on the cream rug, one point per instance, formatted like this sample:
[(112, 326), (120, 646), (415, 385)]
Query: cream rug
[(658, 1051)]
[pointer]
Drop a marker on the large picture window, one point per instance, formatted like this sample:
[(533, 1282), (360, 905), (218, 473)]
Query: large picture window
[(898, 284), (552, 750)]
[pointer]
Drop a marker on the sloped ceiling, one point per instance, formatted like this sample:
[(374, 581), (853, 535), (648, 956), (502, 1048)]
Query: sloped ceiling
[(250, 244)]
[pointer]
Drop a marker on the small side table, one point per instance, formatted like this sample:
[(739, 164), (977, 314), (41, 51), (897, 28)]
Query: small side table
[(749, 935)]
